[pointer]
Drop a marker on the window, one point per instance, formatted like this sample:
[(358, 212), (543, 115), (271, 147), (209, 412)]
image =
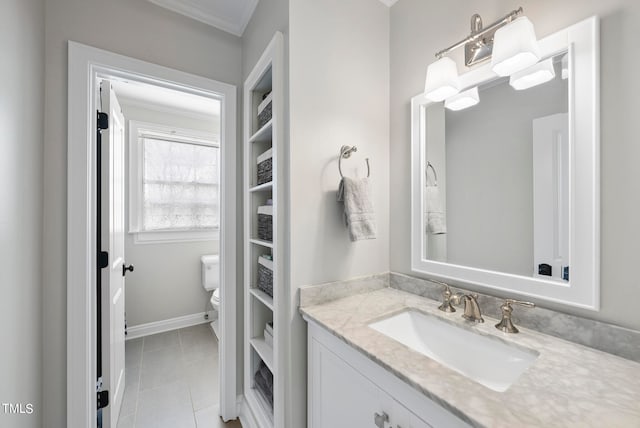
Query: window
[(173, 185)]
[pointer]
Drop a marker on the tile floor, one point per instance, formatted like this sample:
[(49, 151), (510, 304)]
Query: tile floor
[(172, 381)]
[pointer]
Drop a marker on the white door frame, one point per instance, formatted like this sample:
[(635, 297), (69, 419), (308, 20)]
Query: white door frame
[(86, 65)]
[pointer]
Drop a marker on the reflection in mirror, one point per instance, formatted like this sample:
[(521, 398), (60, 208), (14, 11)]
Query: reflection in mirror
[(511, 199), (497, 183)]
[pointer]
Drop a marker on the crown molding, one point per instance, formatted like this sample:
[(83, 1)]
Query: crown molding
[(193, 11), (250, 7)]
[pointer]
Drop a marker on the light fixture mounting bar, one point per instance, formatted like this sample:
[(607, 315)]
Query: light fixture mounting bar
[(475, 36)]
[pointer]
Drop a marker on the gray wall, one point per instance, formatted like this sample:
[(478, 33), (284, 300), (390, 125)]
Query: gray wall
[(339, 94), (135, 28), (21, 121), (166, 282), (270, 16), (489, 175), (420, 28)]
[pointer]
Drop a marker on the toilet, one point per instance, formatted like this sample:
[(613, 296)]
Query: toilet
[(210, 271), (211, 282)]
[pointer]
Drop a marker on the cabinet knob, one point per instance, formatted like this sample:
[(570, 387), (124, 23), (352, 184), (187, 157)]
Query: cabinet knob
[(380, 419)]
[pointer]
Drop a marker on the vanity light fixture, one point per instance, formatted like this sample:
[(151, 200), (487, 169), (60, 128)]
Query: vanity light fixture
[(442, 80), (509, 42), (536, 75), (463, 100)]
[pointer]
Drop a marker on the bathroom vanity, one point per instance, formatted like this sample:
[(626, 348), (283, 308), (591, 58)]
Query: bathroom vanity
[(360, 376), (342, 395), (505, 198)]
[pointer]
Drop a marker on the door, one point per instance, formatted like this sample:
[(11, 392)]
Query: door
[(112, 298), (342, 397), (551, 196)]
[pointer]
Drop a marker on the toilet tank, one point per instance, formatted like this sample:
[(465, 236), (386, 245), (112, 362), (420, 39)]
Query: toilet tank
[(210, 271)]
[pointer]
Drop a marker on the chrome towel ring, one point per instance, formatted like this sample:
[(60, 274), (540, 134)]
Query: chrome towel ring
[(345, 153)]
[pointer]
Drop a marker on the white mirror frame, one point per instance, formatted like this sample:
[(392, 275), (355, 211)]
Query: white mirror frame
[(582, 41)]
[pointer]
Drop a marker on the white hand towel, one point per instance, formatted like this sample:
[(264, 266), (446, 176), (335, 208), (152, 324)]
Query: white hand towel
[(265, 209), (435, 218), (358, 209)]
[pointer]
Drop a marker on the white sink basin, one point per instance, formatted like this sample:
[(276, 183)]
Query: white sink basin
[(486, 360)]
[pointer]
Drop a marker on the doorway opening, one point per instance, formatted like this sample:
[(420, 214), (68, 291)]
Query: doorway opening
[(168, 170), (171, 237)]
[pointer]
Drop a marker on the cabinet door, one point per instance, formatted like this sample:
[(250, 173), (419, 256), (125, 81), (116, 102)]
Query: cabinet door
[(401, 417), (416, 422), (341, 397), (347, 390)]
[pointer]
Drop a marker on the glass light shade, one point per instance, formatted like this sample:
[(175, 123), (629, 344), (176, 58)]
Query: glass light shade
[(463, 100), (515, 47), (565, 67), (442, 80), (533, 76)]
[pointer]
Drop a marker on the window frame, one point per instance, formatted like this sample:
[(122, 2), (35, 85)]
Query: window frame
[(138, 130)]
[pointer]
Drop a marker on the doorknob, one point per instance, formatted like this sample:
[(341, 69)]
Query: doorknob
[(126, 268)]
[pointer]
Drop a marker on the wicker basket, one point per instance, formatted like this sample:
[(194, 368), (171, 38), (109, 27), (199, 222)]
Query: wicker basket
[(264, 171), (265, 227), (265, 279), (263, 382), (264, 111)]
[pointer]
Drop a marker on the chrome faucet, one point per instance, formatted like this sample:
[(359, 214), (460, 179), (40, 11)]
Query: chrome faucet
[(472, 308)]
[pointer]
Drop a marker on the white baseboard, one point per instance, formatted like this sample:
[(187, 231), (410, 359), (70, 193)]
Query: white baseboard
[(141, 330), (245, 415)]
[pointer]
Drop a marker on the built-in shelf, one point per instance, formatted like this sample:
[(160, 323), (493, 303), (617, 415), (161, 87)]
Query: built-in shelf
[(266, 407), (268, 244), (264, 351), (263, 134), (260, 308), (262, 187), (263, 297)]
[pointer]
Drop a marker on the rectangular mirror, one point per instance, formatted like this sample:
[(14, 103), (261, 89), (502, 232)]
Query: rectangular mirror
[(505, 193)]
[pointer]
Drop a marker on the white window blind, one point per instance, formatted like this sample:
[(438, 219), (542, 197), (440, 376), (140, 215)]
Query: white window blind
[(174, 193), (179, 185)]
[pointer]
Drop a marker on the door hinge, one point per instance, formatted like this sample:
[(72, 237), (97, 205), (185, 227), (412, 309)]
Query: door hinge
[(103, 121), (103, 399), (103, 259)]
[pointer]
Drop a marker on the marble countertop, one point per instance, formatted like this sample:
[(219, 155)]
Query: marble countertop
[(568, 385)]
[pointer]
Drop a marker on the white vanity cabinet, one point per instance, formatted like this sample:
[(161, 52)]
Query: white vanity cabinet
[(346, 390)]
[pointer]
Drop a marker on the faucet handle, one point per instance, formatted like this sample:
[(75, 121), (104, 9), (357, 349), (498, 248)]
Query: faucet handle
[(506, 325), (446, 298), (519, 302)]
